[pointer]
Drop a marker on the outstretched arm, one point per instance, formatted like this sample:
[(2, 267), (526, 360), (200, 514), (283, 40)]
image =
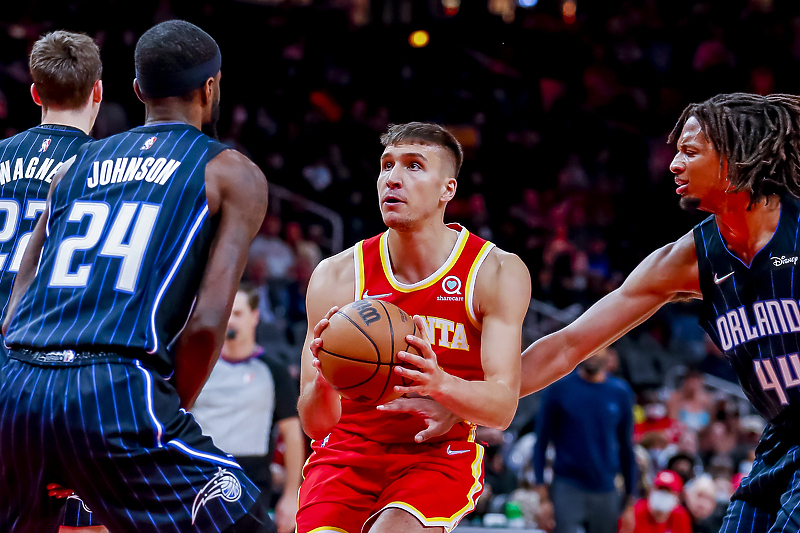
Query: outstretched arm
[(666, 274), (502, 296), (237, 190)]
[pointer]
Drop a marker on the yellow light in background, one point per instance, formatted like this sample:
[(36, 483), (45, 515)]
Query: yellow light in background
[(568, 10), (419, 39)]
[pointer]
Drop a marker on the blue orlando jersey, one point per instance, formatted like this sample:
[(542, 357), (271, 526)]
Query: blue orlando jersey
[(28, 162), (752, 313), (128, 240)]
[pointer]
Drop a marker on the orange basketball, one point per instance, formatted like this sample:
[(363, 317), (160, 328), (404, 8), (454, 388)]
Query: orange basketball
[(359, 350)]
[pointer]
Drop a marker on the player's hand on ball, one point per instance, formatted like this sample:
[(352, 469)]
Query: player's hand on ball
[(316, 344), (428, 379), (438, 420)]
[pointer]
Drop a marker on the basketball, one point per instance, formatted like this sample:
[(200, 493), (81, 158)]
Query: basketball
[(359, 350)]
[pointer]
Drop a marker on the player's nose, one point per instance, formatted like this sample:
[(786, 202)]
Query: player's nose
[(677, 166)]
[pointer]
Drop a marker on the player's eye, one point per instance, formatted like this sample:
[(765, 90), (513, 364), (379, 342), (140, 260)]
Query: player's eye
[(415, 166), (387, 165)]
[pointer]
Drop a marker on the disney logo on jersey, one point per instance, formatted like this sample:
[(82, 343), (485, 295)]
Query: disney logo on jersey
[(782, 261), (223, 485), (149, 143), (45, 145)]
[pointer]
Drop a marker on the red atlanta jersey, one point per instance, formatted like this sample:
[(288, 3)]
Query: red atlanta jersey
[(445, 301)]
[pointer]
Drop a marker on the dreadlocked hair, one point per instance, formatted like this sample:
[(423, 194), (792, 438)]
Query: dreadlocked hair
[(759, 137)]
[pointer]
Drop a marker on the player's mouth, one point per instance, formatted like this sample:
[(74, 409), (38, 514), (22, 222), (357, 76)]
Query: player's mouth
[(682, 185), (391, 200)]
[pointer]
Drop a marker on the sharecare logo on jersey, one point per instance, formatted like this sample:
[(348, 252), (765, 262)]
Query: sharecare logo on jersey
[(451, 285), (149, 143), (223, 485), (783, 261), (45, 144)]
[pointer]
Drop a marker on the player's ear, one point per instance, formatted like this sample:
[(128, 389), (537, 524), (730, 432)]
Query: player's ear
[(97, 92), (35, 95), (137, 90), (450, 186)]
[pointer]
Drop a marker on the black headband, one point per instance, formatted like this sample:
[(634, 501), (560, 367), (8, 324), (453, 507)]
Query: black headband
[(180, 83)]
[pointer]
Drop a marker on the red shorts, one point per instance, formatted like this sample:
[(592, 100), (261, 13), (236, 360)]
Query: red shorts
[(349, 480)]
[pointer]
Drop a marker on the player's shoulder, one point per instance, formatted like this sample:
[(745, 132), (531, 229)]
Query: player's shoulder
[(337, 268), (229, 159), (501, 267)]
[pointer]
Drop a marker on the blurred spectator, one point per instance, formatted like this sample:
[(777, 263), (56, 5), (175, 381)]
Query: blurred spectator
[(588, 416), (496, 474), (705, 511), (661, 511), (304, 250), (682, 464), (691, 404), (245, 396), (273, 256)]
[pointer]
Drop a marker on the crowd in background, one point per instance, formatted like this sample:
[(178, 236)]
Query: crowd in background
[(563, 121)]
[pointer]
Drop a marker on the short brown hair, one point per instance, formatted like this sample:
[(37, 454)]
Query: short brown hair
[(64, 66), (424, 133), (251, 291)]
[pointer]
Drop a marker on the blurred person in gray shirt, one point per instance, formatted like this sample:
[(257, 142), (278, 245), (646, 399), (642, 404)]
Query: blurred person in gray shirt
[(248, 394)]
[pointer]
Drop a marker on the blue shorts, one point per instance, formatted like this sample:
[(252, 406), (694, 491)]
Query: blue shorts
[(115, 434), (768, 499)]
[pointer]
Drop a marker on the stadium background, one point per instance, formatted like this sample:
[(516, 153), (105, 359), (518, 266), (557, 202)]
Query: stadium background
[(563, 108)]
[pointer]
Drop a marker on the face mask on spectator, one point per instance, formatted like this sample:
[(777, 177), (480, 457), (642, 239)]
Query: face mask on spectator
[(661, 501)]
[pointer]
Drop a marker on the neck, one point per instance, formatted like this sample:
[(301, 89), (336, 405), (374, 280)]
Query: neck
[(166, 110), (746, 232), (239, 349), (418, 253), (83, 119), (592, 378)]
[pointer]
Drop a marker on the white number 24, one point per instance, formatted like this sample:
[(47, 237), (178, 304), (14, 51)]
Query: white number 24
[(132, 253)]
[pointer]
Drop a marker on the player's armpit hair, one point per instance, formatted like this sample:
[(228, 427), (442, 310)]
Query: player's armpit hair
[(683, 297), (759, 137)]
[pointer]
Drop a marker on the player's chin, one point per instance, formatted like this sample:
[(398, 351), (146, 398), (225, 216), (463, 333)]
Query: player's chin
[(689, 203), (395, 220)]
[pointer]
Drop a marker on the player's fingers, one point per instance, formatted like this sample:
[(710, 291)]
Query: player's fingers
[(331, 312), (420, 323), (409, 390), (433, 430), (419, 362), (422, 345), (410, 374), (320, 327), (399, 405)]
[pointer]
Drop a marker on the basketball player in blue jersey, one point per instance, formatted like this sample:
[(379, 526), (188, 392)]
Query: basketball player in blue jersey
[(66, 70), (738, 158), (139, 253)]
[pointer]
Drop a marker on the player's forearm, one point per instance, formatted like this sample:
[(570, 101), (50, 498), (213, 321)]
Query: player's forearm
[(319, 410), (197, 351), (546, 361), (486, 403), (294, 456)]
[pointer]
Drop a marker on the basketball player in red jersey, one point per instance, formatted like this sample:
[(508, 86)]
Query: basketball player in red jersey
[(367, 472)]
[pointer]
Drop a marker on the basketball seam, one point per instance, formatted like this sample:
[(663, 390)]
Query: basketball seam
[(377, 351), (377, 367), (392, 363)]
